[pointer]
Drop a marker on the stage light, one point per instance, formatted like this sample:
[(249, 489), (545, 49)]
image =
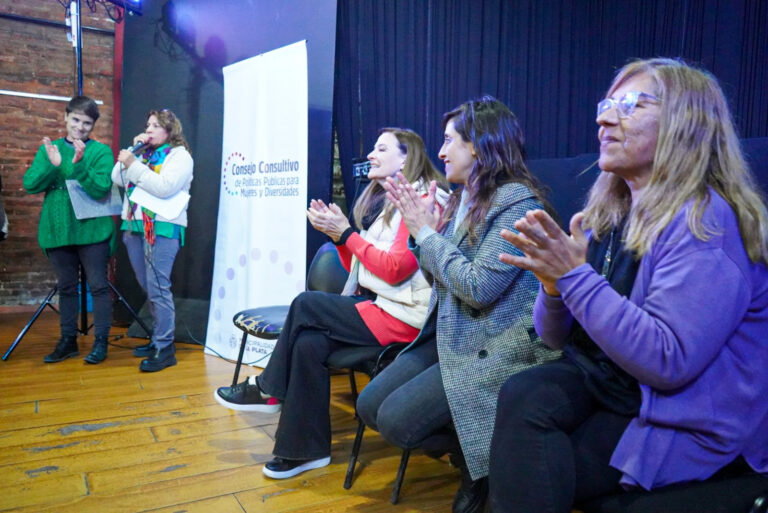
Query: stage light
[(130, 6)]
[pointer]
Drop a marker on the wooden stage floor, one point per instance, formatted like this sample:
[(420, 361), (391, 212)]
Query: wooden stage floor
[(107, 438)]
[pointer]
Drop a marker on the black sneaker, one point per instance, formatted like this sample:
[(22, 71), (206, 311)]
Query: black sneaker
[(247, 396), (280, 468)]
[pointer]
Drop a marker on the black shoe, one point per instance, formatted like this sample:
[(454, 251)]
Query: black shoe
[(98, 352), (66, 347), (279, 468), (471, 495), (143, 350), (247, 396), (159, 359)]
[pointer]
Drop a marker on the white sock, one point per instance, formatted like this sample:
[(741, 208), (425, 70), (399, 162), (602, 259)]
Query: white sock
[(252, 381)]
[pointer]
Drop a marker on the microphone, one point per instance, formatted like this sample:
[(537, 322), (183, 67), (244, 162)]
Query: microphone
[(137, 147)]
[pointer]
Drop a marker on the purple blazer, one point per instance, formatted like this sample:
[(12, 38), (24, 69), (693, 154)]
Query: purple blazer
[(694, 333)]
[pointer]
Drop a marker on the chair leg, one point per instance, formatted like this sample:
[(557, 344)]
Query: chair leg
[(355, 452), (353, 386), (400, 475), (240, 358)]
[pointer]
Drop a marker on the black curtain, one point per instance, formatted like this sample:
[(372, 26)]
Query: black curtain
[(405, 62)]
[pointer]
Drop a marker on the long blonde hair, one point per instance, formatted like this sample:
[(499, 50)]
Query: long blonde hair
[(697, 148), (417, 167)]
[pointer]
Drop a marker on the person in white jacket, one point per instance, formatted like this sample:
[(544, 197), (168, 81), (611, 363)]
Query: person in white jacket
[(163, 169)]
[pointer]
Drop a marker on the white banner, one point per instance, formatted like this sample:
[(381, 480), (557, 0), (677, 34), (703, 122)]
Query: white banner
[(261, 230)]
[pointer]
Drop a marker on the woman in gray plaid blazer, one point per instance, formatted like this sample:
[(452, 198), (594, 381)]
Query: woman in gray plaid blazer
[(479, 328)]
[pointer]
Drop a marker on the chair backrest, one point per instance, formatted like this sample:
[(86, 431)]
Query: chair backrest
[(569, 184), (326, 274)]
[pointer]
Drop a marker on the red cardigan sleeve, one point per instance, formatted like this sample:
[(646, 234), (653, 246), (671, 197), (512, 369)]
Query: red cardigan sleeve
[(345, 255), (392, 266)]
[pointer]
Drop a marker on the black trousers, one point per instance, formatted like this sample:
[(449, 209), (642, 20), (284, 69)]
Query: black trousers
[(66, 261), (317, 324), (552, 442)]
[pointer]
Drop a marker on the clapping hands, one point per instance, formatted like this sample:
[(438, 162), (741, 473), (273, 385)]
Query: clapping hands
[(328, 219), (548, 251), (79, 150), (53, 152), (417, 210)]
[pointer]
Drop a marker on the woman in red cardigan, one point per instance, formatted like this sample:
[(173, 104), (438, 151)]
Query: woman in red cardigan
[(384, 301)]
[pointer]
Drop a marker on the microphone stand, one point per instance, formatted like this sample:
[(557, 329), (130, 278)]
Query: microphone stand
[(84, 326), (76, 36)]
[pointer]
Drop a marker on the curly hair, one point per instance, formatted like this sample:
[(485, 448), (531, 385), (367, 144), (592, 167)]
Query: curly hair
[(168, 120)]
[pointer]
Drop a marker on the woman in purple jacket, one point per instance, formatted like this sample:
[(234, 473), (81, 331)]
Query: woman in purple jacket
[(659, 300)]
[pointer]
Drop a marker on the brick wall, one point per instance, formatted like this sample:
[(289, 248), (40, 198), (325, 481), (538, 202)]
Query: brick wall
[(39, 59)]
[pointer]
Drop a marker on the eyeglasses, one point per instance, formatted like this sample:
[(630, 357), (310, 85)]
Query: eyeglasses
[(624, 106)]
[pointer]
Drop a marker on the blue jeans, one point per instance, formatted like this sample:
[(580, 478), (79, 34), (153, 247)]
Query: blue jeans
[(153, 265), (94, 259), (406, 402)]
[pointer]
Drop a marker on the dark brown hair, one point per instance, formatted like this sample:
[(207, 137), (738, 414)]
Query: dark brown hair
[(498, 143), (85, 105)]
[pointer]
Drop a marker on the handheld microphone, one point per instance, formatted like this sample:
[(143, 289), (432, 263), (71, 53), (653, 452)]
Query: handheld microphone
[(137, 147)]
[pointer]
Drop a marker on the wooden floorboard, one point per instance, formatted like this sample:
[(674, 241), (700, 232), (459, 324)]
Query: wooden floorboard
[(107, 438)]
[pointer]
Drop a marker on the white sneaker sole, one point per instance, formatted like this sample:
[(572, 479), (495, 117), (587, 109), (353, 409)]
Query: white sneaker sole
[(263, 408), (322, 462)]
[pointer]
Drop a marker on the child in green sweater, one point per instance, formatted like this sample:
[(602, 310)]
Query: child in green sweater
[(69, 242)]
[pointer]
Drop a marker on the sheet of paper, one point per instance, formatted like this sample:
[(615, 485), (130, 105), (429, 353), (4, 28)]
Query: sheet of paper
[(86, 207), (169, 207)]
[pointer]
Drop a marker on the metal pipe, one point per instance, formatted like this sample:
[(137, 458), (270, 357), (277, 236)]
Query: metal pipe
[(8, 92), (51, 23), (77, 43)]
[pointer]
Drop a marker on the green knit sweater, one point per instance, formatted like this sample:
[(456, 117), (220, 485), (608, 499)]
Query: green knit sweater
[(58, 224)]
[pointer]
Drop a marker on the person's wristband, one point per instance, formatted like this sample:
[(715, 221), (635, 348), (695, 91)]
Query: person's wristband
[(344, 236)]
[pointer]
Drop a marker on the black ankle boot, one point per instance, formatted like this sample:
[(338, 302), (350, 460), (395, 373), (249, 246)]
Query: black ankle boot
[(98, 352), (66, 347), (471, 495), (143, 350), (159, 359)]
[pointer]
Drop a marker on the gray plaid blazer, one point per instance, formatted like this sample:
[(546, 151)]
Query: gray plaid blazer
[(481, 310)]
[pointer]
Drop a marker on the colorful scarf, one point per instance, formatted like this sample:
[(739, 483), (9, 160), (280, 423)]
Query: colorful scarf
[(153, 159)]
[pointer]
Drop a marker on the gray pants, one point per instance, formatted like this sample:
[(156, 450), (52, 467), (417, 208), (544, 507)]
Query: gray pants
[(406, 403), (152, 265)]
